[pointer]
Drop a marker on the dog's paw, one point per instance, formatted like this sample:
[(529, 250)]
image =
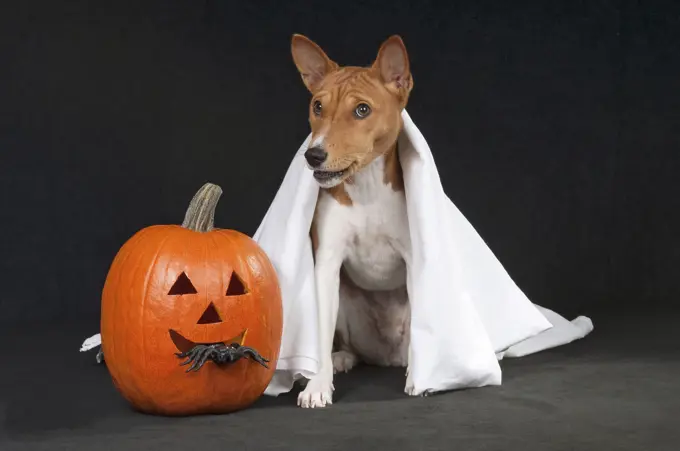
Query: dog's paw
[(317, 393), (312, 400), (343, 361), (410, 389)]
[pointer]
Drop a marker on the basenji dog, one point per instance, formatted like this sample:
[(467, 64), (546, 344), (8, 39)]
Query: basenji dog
[(359, 234)]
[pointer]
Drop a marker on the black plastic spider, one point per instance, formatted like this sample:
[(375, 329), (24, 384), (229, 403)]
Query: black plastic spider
[(219, 353)]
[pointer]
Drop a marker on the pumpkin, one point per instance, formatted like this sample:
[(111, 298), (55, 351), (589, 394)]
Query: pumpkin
[(170, 288)]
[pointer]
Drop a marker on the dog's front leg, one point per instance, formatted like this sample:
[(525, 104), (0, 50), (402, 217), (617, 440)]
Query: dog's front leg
[(409, 389), (319, 389)]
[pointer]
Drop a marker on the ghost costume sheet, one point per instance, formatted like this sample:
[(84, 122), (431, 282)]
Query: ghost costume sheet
[(466, 311)]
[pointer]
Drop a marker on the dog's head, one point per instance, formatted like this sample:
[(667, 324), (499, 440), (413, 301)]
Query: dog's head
[(355, 112)]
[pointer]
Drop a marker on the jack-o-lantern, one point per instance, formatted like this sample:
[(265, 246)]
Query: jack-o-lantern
[(191, 294)]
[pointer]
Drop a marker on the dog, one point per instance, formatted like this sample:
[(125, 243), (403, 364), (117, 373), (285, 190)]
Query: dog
[(360, 234)]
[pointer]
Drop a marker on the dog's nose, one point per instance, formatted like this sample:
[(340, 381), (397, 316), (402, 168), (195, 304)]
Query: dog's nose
[(315, 156)]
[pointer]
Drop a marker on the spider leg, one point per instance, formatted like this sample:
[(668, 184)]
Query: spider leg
[(200, 361), (191, 354), (246, 351), (261, 360), (191, 351)]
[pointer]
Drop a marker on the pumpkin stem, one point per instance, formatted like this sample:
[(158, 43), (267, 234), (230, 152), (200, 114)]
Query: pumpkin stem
[(200, 216)]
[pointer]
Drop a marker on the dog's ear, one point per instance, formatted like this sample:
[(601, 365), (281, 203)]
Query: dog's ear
[(311, 61), (393, 66)]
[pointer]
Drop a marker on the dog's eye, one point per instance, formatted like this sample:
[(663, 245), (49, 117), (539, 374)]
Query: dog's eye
[(362, 111), (316, 107)]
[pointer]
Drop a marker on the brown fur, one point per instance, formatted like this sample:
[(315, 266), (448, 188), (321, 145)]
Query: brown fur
[(314, 234), (393, 173), (340, 194), (353, 143)]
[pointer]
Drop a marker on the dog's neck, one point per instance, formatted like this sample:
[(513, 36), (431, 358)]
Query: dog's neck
[(364, 187)]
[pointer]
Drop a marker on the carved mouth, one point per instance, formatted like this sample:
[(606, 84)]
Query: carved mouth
[(183, 344)]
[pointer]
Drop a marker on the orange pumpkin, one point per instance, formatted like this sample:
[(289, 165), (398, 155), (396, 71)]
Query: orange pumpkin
[(172, 287)]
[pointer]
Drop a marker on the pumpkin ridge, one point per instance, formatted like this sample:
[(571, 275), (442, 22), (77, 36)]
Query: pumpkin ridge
[(209, 248), (135, 263), (143, 303), (215, 245), (206, 270), (231, 245), (136, 238)]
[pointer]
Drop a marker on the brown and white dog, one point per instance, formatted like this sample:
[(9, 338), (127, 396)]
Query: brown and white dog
[(360, 232)]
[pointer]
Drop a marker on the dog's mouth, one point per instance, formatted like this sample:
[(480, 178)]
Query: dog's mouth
[(183, 344), (332, 178), (328, 175)]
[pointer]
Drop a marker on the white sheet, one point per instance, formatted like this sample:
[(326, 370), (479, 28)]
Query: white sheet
[(467, 313)]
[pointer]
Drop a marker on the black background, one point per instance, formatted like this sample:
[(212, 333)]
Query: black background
[(554, 126)]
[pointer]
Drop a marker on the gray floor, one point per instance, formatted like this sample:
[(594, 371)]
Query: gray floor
[(619, 389)]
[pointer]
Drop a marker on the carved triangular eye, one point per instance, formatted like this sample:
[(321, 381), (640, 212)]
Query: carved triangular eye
[(182, 286), (236, 286)]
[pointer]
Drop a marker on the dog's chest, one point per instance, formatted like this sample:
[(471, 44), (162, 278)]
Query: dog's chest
[(375, 230)]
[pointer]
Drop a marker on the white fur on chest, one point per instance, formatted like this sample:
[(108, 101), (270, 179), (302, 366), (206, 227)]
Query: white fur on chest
[(372, 234)]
